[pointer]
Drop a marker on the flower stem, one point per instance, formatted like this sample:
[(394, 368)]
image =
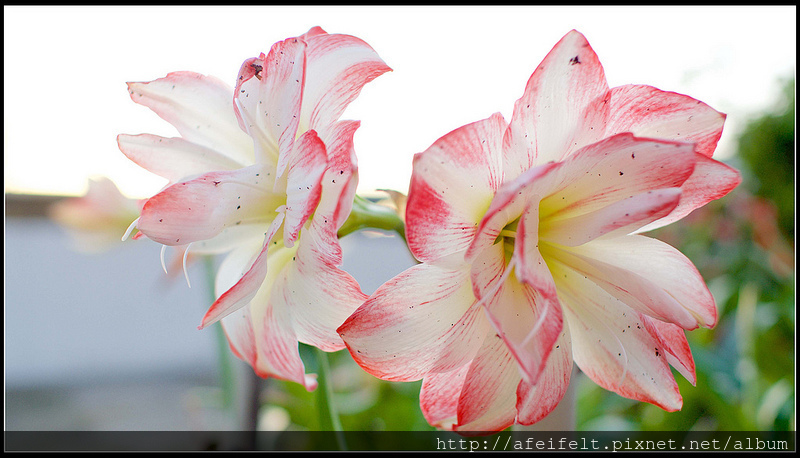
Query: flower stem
[(223, 357), (328, 415), (368, 214)]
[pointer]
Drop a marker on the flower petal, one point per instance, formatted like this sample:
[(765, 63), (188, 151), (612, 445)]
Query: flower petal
[(488, 398), (438, 397), (648, 275), (173, 158), (200, 208), (341, 178), (673, 340), (338, 67), (529, 322), (320, 295), (306, 165), (230, 238), (709, 181), (542, 127), (619, 218), (423, 320), (534, 402), (251, 281), (200, 108), (530, 266), (262, 333), (488, 270), (611, 345), (649, 112), (452, 186), (268, 97), (614, 169)]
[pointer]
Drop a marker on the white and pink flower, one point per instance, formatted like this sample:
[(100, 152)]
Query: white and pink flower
[(531, 258), (96, 220), (266, 172)]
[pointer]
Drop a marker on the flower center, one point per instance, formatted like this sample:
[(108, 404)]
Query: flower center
[(507, 237)]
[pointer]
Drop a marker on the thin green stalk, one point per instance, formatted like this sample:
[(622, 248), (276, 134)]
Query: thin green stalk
[(328, 415), (226, 375)]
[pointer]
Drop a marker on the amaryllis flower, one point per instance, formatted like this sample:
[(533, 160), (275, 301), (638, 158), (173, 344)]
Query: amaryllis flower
[(531, 258), (252, 165)]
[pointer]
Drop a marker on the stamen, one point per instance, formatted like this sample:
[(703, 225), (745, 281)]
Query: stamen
[(507, 233), (185, 273), (130, 229), (164, 264)]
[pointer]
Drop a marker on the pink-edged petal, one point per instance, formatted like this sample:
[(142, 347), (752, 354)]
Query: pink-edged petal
[(308, 162), (488, 270), (452, 186), (341, 178), (530, 266), (241, 293), (649, 112), (313, 31), (423, 320), (611, 345), (534, 402), (633, 288), (673, 340), (268, 97), (200, 208), (338, 67), (438, 397), (709, 181), (200, 108), (529, 322), (614, 169), (488, 398), (173, 158), (230, 238), (320, 295), (262, 335), (619, 218), (665, 284), (543, 125)]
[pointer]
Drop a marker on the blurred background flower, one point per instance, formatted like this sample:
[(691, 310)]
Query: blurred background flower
[(97, 220)]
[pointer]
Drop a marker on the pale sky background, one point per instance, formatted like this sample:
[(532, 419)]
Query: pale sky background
[(65, 70)]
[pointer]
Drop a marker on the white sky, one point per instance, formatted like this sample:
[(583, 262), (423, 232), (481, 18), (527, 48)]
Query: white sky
[(65, 70)]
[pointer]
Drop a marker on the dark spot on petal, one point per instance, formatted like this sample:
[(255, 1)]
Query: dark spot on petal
[(257, 69)]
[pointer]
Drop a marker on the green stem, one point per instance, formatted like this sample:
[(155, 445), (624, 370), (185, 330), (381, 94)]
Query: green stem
[(368, 214), (223, 353), (328, 415)]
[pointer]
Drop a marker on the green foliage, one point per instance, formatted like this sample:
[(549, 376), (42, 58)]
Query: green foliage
[(767, 149)]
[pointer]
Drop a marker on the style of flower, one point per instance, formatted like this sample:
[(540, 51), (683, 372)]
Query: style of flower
[(266, 172), (531, 258)]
